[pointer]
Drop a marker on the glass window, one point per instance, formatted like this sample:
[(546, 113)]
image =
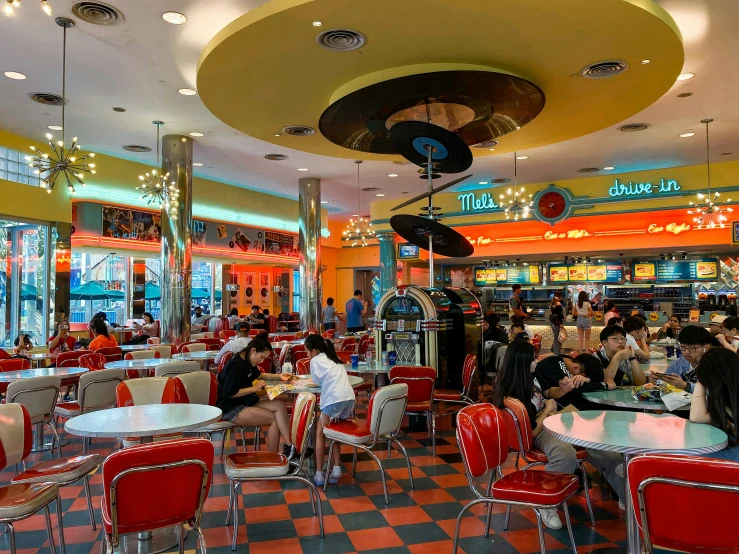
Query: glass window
[(153, 287), (14, 167), (202, 285), (98, 284)]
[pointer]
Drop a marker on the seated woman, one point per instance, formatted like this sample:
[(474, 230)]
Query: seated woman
[(233, 318), (146, 330), (716, 397), (516, 379), (239, 386), (102, 338), (58, 341)]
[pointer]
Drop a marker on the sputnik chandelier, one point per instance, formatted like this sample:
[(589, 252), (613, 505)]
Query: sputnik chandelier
[(62, 161), (11, 5), (514, 202), (708, 211), (359, 230), (154, 187)]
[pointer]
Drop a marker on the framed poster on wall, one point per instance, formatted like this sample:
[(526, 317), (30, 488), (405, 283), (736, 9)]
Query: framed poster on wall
[(265, 288), (250, 289)]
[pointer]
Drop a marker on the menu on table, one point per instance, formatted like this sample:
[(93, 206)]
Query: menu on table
[(658, 271), (509, 275), (601, 272)]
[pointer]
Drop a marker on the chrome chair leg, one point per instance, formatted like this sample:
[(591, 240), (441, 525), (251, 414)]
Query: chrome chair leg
[(47, 515), (382, 474), (181, 533), (229, 513), (330, 452), (11, 536), (60, 525), (587, 492), (507, 517), (459, 521), (237, 486), (569, 526), (489, 517), (354, 463), (541, 531), (407, 460), (86, 483)]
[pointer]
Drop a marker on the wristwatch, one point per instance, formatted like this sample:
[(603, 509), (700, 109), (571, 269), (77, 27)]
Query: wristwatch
[(632, 358), (605, 386)]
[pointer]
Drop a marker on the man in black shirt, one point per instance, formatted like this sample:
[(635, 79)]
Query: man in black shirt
[(564, 379)]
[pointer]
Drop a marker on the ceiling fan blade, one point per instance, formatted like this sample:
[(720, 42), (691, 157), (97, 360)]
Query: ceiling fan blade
[(433, 191)]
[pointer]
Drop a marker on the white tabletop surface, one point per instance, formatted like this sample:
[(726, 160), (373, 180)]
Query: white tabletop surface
[(354, 381), (142, 421), (137, 364), (133, 347), (205, 355), (42, 355), (10, 376)]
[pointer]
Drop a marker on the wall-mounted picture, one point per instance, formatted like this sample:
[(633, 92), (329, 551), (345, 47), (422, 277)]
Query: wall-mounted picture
[(250, 289), (265, 282)]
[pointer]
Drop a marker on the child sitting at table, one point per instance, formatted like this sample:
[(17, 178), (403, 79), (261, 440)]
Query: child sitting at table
[(729, 335), (23, 346), (337, 400)]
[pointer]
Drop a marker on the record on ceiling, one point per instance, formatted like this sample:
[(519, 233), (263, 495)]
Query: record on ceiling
[(446, 241), (449, 153), (477, 106)]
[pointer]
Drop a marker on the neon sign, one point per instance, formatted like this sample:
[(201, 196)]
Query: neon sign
[(642, 189), (470, 202)]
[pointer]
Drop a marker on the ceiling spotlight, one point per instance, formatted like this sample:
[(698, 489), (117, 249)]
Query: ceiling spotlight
[(609, 168), (392, 175), (317, 23), (324, 201), (685, 76), (492, 149), (645, 62), (55, 127), (195, 134), (302, 169), (482, 182), (277, 134), (522, 157), (15, 75), (686, 135), (379, 194), (197, 164), (175, 18), (355, 215), (187, 92)]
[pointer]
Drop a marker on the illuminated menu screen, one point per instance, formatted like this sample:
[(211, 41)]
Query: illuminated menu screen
[(601, 272), (670, 271), (509, 275)]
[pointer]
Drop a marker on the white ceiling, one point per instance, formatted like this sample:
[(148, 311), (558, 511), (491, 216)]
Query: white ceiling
[(141, 64)]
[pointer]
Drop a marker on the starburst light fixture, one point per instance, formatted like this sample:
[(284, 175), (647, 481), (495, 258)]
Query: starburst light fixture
[(62, 161), (708, 211), (359, 230), (155, 188), (515, 203)]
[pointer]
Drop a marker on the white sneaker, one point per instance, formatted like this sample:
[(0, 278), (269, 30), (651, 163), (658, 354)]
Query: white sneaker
[(334, 476), (550, 518), (319, 478)]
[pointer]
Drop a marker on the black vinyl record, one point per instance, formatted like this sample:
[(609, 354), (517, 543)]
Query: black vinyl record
[(446, 241), (450, 152)]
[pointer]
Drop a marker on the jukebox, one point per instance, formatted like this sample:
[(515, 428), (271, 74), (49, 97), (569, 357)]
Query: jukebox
[(430, 327)]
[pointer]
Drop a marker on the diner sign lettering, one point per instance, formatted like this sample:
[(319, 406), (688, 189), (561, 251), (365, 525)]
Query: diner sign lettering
[(471, 203), (631, 189)]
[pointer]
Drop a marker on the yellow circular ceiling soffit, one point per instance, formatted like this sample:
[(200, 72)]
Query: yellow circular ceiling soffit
[(264, 71)]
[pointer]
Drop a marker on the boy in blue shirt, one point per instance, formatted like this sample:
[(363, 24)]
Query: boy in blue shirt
[(694, 341), (355, 309)]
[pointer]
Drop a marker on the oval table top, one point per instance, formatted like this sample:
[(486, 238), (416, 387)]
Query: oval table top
[(623, 399), (137, 364), (634, 433), (10, 376), (133, 347), (142, 421), (204, 355), (42, 355), (370, 367), (125, 329), (354, 381)]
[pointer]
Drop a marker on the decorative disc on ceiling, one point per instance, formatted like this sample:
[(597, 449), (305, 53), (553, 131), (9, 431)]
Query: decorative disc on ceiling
[(477, 106), (417, 230)]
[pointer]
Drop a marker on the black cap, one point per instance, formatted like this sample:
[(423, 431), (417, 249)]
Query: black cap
[(241, 325)]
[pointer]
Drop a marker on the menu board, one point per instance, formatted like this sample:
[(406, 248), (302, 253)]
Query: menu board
[(601, 272), (671, 271), (509, 275)]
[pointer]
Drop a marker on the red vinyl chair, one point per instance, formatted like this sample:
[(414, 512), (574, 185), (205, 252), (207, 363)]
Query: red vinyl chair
[(12, 364), (254, 332), (483, 443), (224, 360), (273, 466), (345, 357), (297, 352), (111, 353), (227, 334), (287, 337), (4, 354), (268, 364), (302, 367), (153, 340), (282, 358), (384, 417), (663, 485), (331, 333), (211, 344), (521, 440), (194, 346), (421, 382), (60, 471), (21, 500), (140, 355), (93, 361), (142, 392), (156, 485), (348, 344), (460, 397), (364, 342), (69, 359)]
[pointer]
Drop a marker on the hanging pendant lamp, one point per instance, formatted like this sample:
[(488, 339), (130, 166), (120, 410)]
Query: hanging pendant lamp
[(515, 204), (154, 186)]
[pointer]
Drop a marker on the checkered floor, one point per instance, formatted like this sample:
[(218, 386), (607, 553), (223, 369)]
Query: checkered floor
[(419, 521)]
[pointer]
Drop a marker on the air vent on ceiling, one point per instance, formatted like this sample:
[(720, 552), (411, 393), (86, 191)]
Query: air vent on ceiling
[(98, 13), (370, 189), (47, 98), (299, 130), (276, 157), (136, 148), (341, 40), (588, 169), (500, 181), (486, 144), (602, 70), (633, 127), (684, 94)]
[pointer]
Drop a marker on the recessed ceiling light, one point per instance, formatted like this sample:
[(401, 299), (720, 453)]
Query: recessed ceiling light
[(379, 194), (317, 23), (492, 149), (195, 134), (609, 168), (522, 157), (197, 164), (175, 18), (355, 215), (685, 76), (324, 201), (686, 135), (55, 127), (392, 175), (15, 75), (302, 169), (187, 92), (277, 134), (482, 183), (645, 62)]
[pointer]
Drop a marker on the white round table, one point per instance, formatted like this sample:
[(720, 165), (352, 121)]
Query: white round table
[(148, 363), (63, 372), (133, 347), (37, 357), (631, 433), (353, 381), (197, 356)]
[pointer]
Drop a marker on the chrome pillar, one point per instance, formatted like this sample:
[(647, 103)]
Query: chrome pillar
[(177, 242), (388, 261), (309, 247)]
